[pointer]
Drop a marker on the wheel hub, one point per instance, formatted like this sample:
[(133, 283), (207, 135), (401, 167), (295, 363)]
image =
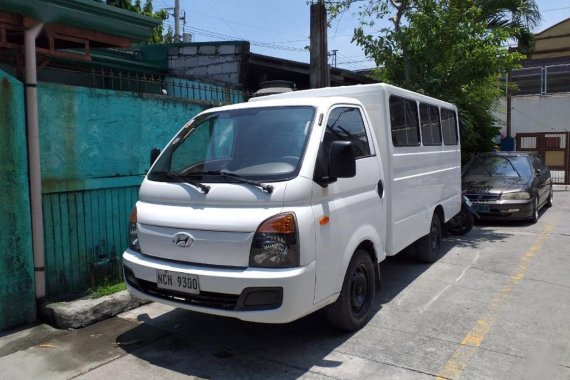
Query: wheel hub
[(359, 289)]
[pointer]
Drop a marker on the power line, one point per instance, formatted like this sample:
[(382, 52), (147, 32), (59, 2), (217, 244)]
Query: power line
[(555, 9), (223, 19), (244, 25), (351, 63), (226, 37)]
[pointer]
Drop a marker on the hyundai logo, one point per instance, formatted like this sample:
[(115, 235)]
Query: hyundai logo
[(183, 240)]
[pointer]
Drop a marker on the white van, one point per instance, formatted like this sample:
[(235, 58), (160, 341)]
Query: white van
[(269, 210)]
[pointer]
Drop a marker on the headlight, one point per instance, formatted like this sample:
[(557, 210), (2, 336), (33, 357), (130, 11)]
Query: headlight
[(275, 244), (133, 231), (517, 196)]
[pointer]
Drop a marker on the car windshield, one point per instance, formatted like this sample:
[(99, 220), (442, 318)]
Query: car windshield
[(500, 166), (263, 144)]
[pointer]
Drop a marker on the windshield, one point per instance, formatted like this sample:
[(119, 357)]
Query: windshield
[(264, 144), (499, 166)]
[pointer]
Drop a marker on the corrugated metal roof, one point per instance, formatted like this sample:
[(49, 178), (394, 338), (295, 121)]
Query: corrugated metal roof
[(85, 14)]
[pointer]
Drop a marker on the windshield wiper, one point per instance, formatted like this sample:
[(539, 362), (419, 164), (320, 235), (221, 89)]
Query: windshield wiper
[(509, 161), (237, 177), (184, 178)]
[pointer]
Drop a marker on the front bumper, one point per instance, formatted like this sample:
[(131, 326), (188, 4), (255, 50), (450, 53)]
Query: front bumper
[(249, 294), (514, 210)]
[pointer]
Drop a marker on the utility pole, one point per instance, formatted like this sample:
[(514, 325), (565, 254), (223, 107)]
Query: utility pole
[(333, 57), (177, 37), (509, 105), (319, 68)]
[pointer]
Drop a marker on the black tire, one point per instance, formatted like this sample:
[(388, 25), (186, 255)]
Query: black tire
[(353, 307), (461, 223), (428, 247), (550, 200), (534, 216)]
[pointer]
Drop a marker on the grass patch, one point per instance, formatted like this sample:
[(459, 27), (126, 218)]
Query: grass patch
[(107, 287)]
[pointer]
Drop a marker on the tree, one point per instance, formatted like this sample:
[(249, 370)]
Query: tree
[(147, 10), (450, 49)]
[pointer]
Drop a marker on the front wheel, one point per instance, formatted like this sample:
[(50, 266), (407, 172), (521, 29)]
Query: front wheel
[(550, 201), (534, 216), (353, 307), (428, 246), (461, 223)]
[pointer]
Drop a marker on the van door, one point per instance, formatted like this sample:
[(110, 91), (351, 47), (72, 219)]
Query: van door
[(354, 206)]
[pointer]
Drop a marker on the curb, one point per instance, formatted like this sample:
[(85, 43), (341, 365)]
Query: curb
[(86, 311)]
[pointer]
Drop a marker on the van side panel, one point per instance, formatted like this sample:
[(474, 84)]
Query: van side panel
[(421, 181), (423, 177)]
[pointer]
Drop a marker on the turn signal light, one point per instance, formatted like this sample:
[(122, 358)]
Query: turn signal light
[(282, 224)]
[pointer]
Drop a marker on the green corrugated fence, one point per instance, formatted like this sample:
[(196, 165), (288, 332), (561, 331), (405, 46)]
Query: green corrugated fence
[(95, 148)]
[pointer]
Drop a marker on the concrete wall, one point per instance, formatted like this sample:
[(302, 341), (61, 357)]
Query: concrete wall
[(17, 299), (219, 63), (537, 114)]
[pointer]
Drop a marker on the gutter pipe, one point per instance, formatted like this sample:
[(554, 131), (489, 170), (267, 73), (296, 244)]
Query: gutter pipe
[(35, 176)]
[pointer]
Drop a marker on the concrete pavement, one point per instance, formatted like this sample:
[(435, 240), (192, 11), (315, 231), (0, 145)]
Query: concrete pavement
[(495, 306)]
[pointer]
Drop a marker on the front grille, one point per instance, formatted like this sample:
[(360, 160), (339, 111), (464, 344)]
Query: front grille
[(204, 299), (483, 197)]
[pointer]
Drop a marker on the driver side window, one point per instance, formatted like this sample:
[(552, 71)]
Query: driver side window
[(343, 124), (346, 124)]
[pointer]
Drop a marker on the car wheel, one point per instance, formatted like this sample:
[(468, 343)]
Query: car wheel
[(461, 223), (534, 217), (353, 307), (550, 201), (428, 247)]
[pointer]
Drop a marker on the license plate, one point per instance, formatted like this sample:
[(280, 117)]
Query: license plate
[(482, 208), (180, 282)]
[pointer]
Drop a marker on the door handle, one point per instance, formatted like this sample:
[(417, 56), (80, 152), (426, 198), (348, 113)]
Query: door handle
[(380, 188)]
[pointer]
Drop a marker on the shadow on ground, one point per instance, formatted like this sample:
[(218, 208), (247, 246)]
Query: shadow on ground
[(208, 346)]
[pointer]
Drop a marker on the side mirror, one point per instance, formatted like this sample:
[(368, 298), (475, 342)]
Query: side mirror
[(538, 171), (342, 162), (154, 153)]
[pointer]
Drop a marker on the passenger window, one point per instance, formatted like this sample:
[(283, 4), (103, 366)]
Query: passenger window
[(537, 164), (449, 126), (404, 122), (430, 126), (346, 124)]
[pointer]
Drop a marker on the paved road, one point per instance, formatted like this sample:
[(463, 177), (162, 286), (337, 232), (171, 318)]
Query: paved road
[(495, 306)]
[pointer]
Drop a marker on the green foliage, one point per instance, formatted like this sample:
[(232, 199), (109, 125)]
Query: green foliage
[(158, 35), (107, 287), (450, 49)]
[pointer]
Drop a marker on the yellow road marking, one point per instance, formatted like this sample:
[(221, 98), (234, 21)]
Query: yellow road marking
[(457, 363)]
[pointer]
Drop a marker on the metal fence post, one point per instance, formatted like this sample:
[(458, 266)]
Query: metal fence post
[(545, 80)]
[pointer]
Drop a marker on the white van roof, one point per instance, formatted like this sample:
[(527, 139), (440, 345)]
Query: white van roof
[(270, 101), (352, 91)]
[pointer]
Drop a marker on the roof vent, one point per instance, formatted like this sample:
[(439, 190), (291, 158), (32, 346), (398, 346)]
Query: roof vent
[(271, 87)]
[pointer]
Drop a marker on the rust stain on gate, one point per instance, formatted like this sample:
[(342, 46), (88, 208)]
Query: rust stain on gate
[(553, 148)]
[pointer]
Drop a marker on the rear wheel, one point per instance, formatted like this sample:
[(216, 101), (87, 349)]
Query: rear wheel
[(428, 247), (353, 307)]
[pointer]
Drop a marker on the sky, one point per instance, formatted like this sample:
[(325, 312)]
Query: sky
[(280, 28)]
